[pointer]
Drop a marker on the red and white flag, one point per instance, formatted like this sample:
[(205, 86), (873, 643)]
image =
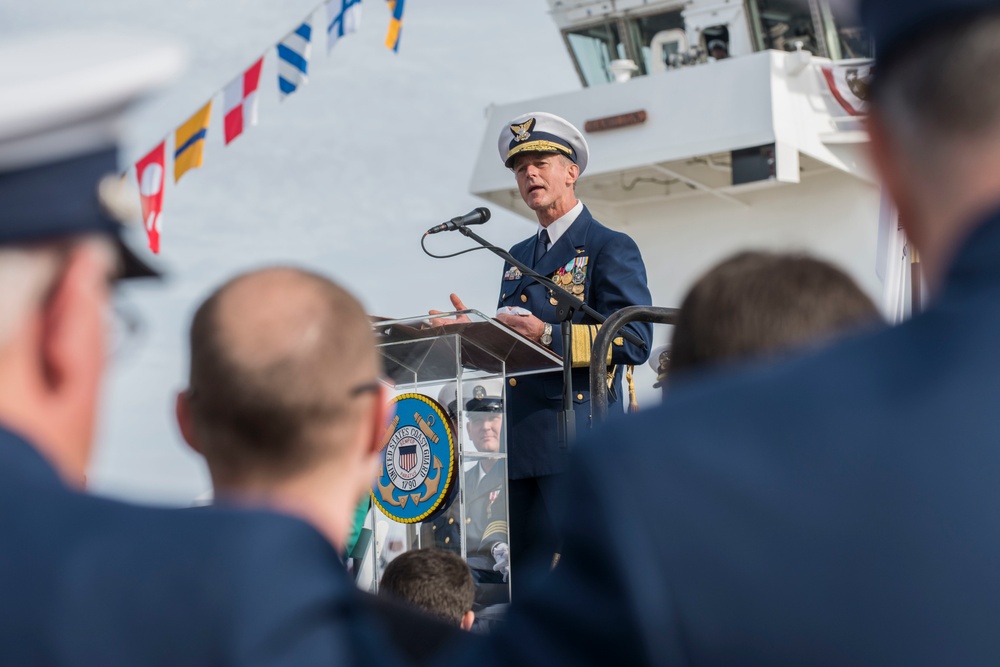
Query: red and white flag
[(240, 101), (149, 172), (849, 81)]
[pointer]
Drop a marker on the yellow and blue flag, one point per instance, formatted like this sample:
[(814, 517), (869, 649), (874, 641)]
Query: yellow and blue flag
[(189, 141), (395, 24)]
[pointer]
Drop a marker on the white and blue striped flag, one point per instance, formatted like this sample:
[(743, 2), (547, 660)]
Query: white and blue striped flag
[(293, 59), (342, 17)]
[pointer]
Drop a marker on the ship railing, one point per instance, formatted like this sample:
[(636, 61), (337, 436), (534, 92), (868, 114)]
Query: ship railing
[(602, 343)]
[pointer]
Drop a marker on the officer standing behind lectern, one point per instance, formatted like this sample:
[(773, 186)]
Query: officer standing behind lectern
[(484, 489), (603, 268)]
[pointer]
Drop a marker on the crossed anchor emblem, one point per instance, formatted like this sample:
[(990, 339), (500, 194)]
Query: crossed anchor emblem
[(431, 484)]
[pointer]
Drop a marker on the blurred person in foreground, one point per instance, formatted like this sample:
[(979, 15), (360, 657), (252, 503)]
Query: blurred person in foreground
[(89, 581), (280, 397), (280, 404), (837, 508), (760, 305), (433, 580)]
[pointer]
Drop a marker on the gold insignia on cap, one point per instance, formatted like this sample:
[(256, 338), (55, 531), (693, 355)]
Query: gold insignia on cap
[(479, 392), (522, 132), (115, 199)]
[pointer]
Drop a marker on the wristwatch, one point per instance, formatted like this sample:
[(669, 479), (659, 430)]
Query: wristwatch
[(546, 338)]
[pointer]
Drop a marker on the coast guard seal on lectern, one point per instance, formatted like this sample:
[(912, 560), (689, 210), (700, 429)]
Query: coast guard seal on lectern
[(417, 475)]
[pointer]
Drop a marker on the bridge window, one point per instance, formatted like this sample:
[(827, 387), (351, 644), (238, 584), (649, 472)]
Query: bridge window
[(644, 30), (852, 41), (779, 24), (594, 47), (785, 22)]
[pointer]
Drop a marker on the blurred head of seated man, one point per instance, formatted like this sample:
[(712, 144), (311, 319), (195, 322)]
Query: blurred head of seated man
[(935, 121), (283, 401), (758, 304), (434, 580), (87, 580)]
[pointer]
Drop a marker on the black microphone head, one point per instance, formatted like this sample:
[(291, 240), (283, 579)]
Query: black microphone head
[(484, 213)]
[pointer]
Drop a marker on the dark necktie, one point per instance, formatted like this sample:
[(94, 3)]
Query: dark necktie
[(541, 245)]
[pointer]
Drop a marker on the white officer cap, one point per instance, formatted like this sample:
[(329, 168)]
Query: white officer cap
[(448, 398), (479, 396), (541, 132), (659, 361), (63, 100)]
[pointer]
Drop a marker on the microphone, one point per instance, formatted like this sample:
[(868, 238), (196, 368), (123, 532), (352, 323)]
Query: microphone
[(475, 217)]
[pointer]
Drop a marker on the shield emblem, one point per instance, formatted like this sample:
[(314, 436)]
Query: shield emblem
[(408, 457)]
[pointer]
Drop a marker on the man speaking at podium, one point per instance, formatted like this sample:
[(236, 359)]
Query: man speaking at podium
[(603, 268)]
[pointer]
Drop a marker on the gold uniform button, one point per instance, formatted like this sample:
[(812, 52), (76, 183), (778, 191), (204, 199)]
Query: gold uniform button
[(524, 298), (579, 397), (503, 296), (451, 521), (513, 382), (447, 540)]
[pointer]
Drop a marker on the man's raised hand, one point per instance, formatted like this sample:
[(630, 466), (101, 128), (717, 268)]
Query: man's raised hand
[(442, 321)]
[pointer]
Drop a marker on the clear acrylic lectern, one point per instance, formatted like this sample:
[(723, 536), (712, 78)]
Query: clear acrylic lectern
[(420, 498)]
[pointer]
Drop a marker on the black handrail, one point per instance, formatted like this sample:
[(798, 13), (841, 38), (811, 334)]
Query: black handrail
[(599, 355)]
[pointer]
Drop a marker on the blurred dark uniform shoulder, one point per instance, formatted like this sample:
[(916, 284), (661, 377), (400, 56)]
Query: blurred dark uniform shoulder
[(89, 581)]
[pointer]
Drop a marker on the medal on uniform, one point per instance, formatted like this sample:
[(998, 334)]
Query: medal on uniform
[(513, 273), (579, 270)]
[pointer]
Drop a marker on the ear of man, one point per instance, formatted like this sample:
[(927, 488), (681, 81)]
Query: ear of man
[(378, 420), (467, 620), (372, 428), (63, 316), (70, 356), (572, 172), (891, 168), (185, 423)]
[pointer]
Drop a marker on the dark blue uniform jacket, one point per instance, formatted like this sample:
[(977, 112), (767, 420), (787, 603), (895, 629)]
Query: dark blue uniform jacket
[(615, 277), (88, 581)]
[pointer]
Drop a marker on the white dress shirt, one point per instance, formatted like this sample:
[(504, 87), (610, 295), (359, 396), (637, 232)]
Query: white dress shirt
[(559, 226)]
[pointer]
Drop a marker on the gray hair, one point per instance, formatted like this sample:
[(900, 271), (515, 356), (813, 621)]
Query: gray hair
[(943, 89), (567, 162), (27, 273)]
